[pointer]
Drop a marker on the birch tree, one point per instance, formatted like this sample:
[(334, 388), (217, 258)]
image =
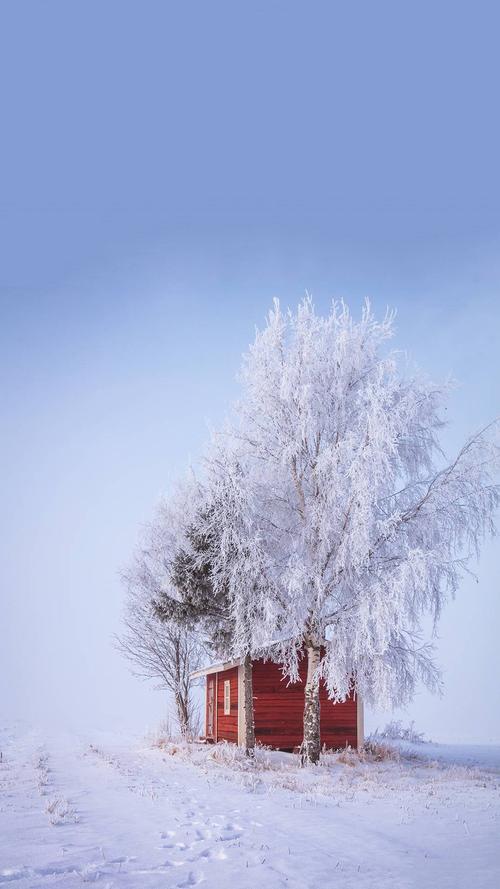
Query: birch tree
[(164, 652), (167, 651), (347, 511)]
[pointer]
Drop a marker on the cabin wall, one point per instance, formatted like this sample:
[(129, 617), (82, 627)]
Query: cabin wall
[(227, 725), (279, 710)]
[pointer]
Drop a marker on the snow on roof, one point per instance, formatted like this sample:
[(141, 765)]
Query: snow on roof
[(215, 668), (227, 665)]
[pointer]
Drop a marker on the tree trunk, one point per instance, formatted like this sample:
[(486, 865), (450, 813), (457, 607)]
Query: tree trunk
[(311, 745), (248, 706), (182, 713)]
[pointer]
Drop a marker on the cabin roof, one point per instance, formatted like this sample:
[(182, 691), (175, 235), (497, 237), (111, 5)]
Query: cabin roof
[(216, 668), (266, 652)]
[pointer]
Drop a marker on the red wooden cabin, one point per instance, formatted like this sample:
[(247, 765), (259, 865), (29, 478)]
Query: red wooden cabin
[(278, 708)]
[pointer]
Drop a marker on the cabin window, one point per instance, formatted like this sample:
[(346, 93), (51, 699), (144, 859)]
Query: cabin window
[(227, 697)]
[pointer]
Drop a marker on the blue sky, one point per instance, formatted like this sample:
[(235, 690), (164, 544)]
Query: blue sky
[(167, 169)]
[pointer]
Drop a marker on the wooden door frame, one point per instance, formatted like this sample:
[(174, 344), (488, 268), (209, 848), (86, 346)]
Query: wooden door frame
[(210, 686), (216, 723)]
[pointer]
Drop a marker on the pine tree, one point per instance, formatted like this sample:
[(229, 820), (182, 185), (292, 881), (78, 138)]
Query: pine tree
[(199, 601)]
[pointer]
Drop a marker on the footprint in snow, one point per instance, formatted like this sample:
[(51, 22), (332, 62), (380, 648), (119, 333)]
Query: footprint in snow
[(192, 879), (210, 855), (230, 832), (11, 874), (202, 835), (122, 859)]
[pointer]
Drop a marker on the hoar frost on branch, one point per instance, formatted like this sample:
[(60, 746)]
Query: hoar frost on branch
[(340, 523), (167, 651)]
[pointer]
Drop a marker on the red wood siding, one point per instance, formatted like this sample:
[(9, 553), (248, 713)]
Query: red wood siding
[(278, 709), (227, 726)]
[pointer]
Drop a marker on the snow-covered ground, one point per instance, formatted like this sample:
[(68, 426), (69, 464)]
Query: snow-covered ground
[(113, 810)]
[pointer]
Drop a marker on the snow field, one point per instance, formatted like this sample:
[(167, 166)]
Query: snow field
[(111, 810)]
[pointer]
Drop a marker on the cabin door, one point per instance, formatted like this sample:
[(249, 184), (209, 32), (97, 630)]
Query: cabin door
[(210, 707)]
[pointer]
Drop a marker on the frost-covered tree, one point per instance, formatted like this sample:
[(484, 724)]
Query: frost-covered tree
[(167, 651), (339, 510)]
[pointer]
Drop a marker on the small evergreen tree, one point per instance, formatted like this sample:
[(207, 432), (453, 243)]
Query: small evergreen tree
[(200, 601)]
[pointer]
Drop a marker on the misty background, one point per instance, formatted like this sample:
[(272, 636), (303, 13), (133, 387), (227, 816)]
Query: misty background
[(166, 171)]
